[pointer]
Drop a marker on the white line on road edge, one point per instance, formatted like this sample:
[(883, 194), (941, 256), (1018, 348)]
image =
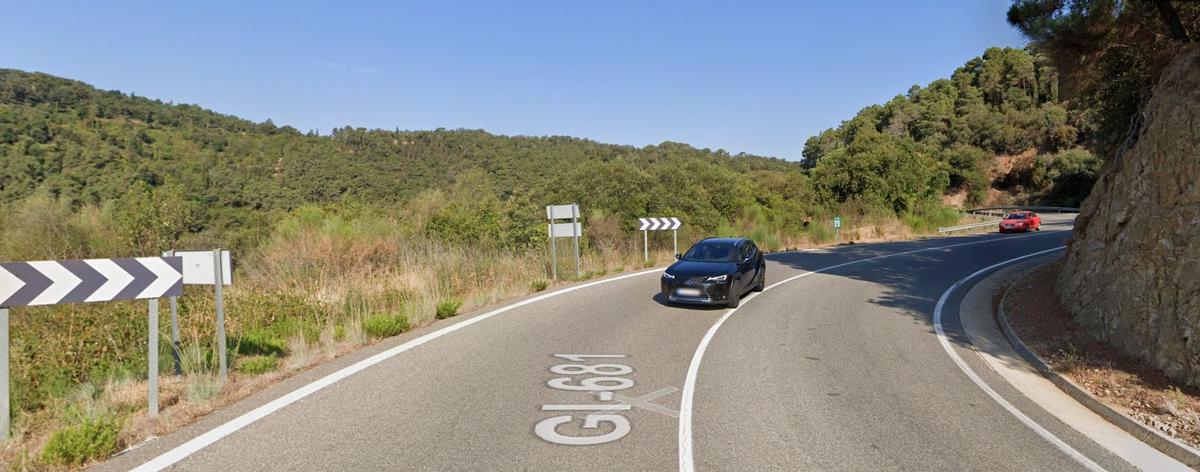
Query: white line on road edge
[(216, 434), (941, 335), (689, 384)]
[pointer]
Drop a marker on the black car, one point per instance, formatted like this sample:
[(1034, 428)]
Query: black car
[(715, 271)]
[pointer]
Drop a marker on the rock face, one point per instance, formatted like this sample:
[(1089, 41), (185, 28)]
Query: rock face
[(1132, 273)]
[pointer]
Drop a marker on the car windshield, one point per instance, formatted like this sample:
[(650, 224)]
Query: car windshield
[(1016, 216), (711, 252)]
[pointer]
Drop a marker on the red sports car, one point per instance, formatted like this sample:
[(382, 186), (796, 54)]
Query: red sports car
[(1021, 221)]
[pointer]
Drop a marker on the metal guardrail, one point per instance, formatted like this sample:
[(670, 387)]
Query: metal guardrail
[(989, 210), (1002, 210), (981, 224)]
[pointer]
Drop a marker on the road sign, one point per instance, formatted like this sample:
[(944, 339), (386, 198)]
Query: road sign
[(81, 281), (198, 267), (837, 222), (562, 212), (658, 224), (571, 230), (89, 280), (201, 268), (565, 230)]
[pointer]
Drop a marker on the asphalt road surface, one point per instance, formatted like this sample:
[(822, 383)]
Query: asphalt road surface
[(839, 367)]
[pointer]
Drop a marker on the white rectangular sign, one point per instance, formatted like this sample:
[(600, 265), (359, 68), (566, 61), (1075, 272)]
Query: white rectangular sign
[(562, 212), (198, 267), (564, 230)]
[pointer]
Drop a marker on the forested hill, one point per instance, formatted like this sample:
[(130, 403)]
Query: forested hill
[(88, 146), (158, 171), (1004, 103)]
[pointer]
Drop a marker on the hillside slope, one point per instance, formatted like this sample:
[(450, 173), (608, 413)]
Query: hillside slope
[(87, 146), (1132, 274), (998, 127)]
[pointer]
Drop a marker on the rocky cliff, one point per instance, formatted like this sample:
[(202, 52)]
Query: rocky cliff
[(1132, 273)]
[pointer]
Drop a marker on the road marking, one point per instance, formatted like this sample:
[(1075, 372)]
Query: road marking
[(686, 463), (643, 401), (1027, 421), (216, 434), (547, 428)]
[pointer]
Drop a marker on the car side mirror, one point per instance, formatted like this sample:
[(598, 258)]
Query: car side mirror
[(678, 256)]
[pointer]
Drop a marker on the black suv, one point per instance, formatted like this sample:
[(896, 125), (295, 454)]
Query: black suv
[(715, 271)]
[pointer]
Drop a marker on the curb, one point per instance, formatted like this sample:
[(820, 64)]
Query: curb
[(1165, 444)]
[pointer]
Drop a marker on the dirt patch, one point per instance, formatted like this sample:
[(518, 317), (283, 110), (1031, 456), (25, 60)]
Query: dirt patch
[(1122, 382)]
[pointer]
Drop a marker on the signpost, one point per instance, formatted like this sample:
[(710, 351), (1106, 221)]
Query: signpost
[(563, 230), (41, 283), (203, 268), (658, 224), (837, 228)]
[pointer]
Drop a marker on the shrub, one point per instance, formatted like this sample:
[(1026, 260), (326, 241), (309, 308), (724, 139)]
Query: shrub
[(258, 365), (930, 217), (539, 285), (74, 445), (260, 342), (385, 326), (448, 307)]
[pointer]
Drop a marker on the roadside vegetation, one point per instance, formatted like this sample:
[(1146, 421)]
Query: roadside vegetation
[(343, 239)]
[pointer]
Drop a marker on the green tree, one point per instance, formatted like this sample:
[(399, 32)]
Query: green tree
[(149, 219)]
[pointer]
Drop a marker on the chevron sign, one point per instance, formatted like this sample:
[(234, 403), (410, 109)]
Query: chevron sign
[(89, 280), (657, 224)]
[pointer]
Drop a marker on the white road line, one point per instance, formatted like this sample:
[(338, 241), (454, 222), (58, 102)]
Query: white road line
[(686, 463), (1027, 421), (216, 434)]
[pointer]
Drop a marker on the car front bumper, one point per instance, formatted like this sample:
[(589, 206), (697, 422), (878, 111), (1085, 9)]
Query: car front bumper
[(702, 293)]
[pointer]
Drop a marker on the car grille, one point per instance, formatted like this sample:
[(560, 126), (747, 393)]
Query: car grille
[(694, 281)]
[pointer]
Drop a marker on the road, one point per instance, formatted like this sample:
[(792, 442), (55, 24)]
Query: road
[(837, 366)]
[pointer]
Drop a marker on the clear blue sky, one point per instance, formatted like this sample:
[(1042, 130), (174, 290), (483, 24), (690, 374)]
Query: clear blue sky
[(757, 77)]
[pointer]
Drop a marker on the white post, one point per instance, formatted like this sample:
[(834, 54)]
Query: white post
[(575, 232), (218, 278), (4, 406), (553, 252), (675, 239), (175, 352), (152, 377), (646, 244)]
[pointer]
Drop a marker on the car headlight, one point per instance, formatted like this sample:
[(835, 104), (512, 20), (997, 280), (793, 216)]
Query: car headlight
[(717, 278), (668, 276)]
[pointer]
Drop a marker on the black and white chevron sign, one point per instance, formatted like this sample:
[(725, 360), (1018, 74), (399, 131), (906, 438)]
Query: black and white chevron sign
[(658, 224), (89, 280)]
